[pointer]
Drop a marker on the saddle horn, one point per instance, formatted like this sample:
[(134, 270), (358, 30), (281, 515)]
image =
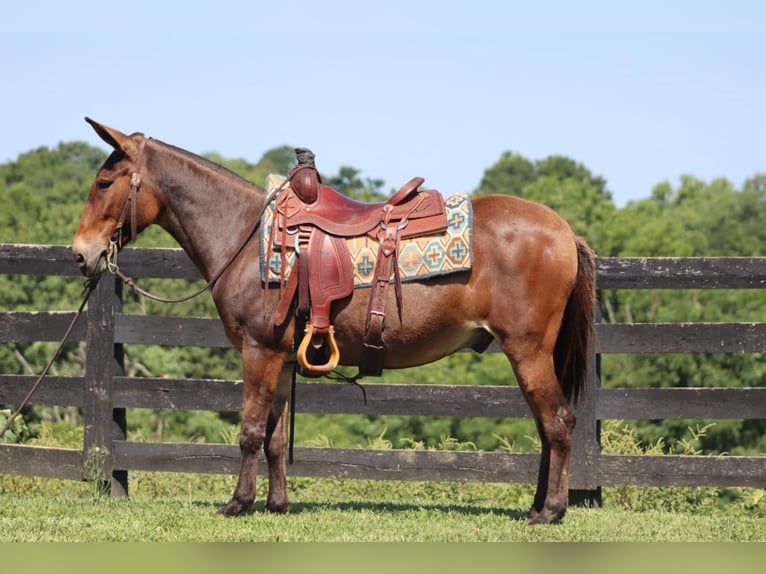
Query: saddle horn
[(304, 177)]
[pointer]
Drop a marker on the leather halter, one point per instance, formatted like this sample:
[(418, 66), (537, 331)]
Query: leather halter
[(117, 240)]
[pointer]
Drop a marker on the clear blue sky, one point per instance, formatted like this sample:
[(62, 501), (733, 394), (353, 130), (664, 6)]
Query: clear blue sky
[(640, 92)]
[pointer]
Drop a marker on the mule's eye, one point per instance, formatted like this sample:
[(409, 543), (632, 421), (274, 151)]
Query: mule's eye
[(103, 184)]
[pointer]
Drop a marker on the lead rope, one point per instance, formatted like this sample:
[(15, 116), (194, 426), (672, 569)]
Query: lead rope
[(90, 286)]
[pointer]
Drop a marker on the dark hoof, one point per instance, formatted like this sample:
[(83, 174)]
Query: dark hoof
[(234, 508), (544, 516), (276, 508)]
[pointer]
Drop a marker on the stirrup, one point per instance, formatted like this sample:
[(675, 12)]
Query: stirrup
[(310, 369)]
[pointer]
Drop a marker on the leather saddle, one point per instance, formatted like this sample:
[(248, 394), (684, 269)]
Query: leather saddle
[(315, 220)]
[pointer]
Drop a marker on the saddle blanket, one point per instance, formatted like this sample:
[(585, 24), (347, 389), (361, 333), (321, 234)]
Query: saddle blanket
[(419, 257)]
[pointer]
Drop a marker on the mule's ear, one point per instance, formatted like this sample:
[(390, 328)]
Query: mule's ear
[(115, 138)]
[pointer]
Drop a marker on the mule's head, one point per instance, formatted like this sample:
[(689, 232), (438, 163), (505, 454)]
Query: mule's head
[(108, 218)]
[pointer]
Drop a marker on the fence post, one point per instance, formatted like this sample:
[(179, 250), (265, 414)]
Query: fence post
[(103, 361), (586, 447)]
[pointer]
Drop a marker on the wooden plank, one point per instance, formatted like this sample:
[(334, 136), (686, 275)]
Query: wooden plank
[(185, 394), (20, 259), (202, 458), (668, 470), (172, 263), (41, 461), (329, 398), (392, 399), (681, 338), (413, 399), (447, 466), (613, 272), (614, 470), (684, 403), (208, 332), (27, 327), (681, 272), (53, 391), (37, 260), (337, 462), (171, 331)]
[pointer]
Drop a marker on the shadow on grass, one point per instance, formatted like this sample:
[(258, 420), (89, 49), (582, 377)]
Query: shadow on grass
[(379, 507), (467, 509)]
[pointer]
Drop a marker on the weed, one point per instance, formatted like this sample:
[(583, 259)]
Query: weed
[(619, 438), (17, 432)]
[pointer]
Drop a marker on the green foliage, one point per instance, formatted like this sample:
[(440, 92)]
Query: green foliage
[(277, 160), (349, 183), (160, 425), (17, 431), (60, 434), (42, 193), (355, 431), (619, 438), (696, 219)]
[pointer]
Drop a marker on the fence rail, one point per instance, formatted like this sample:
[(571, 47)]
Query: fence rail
[(103, 392)]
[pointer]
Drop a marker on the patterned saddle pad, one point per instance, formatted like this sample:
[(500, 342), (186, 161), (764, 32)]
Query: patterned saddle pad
[(419, 257)]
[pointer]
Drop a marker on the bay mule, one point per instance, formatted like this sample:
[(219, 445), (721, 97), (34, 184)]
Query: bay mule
[(531, 288)]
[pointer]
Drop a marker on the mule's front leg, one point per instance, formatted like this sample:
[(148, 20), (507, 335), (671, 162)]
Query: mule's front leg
[(275, 444), (261, 370)]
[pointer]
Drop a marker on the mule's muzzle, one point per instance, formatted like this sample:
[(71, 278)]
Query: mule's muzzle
[(90, 259)]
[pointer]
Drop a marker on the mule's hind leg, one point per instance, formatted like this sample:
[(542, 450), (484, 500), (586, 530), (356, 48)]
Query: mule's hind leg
[(555, 421), (261, 371), (275, 444)]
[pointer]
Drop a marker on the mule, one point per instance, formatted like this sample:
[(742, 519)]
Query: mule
[(531, 288)]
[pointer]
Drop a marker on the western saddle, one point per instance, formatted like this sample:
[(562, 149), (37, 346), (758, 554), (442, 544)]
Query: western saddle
[(315, 220)]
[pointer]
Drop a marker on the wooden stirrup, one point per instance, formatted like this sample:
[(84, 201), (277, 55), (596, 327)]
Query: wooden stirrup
[(310, 369)]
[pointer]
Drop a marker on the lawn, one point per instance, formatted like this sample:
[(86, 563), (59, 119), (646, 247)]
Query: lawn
[(182, 508)]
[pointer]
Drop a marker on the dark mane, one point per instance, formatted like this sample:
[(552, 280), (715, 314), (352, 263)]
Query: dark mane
[(206, 162)]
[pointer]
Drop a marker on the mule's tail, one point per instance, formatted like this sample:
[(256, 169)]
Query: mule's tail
[(577, 329)]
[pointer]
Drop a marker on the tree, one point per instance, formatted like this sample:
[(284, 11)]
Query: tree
[(348, 182), (509, 175)]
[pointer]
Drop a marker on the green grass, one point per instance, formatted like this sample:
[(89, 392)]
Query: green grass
[(183, 508)]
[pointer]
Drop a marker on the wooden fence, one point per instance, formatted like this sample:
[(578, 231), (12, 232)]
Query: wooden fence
[(103, 393)]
